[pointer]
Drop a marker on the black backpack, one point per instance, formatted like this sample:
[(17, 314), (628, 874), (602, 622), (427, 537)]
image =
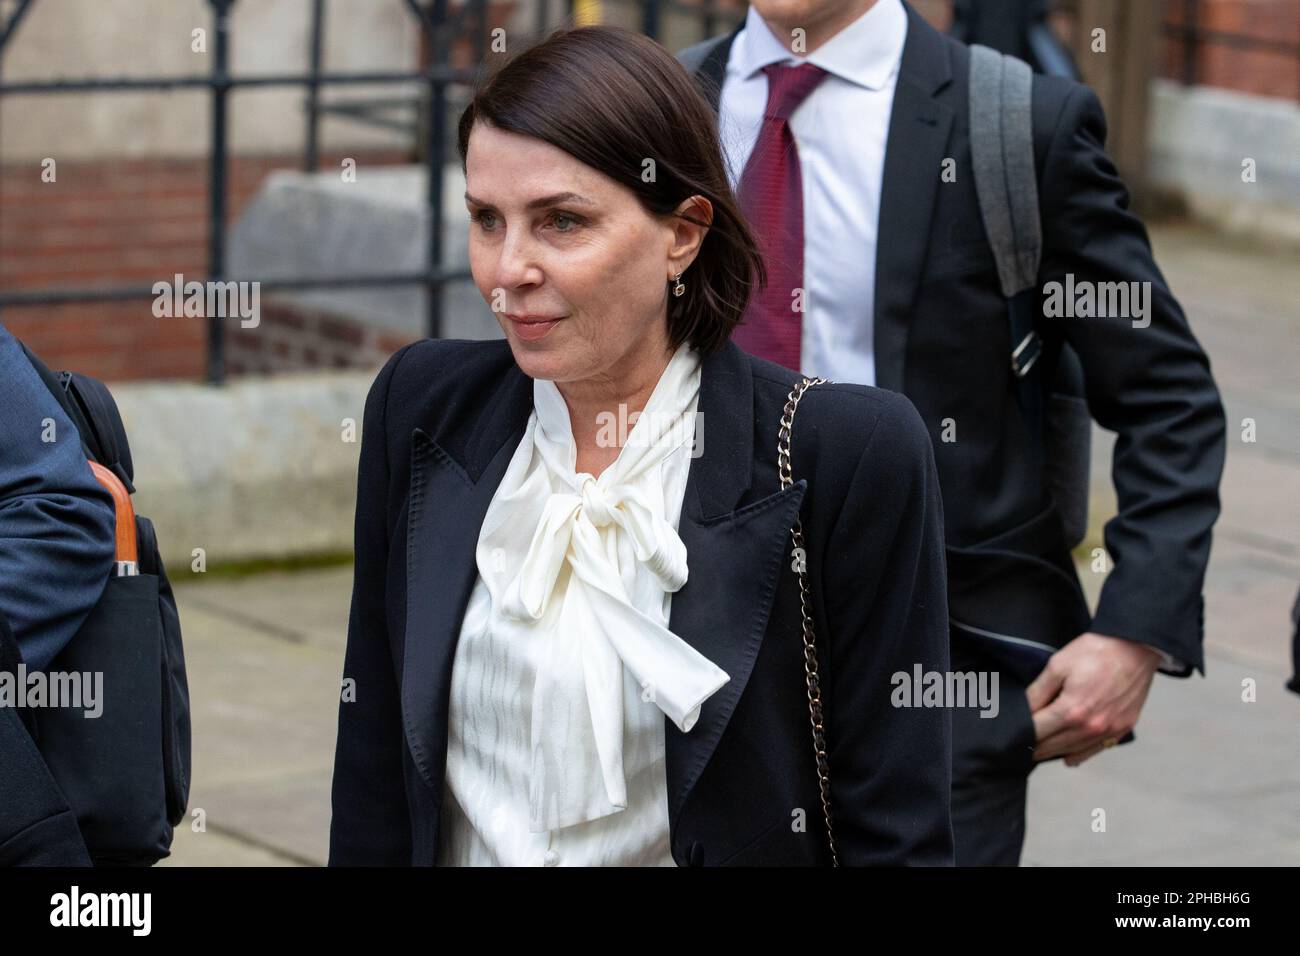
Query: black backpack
[(126, 773)]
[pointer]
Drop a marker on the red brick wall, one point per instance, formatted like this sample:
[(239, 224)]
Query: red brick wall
[(290, 338), (118, 222), (1248, 70), (1227, 65)]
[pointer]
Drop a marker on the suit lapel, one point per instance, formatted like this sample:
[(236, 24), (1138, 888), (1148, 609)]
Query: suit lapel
[(711, 72), (919, 126), (734, 559), (446, 505), (446, 510), (733, 564)]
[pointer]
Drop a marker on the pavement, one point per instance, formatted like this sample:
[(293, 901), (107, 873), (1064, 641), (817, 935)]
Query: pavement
[(1214, 779)]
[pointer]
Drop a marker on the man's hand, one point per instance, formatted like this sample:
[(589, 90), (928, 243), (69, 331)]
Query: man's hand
[(1092, 690)]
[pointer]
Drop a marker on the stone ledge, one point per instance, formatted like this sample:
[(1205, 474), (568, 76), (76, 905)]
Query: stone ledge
[(1199, 137), (257, 468)]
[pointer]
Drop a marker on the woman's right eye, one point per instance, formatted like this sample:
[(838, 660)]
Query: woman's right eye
[(478, 217)]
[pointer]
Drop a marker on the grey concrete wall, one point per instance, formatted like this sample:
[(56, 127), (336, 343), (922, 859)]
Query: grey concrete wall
[(254, 469), (304, 225), (1200, 137)]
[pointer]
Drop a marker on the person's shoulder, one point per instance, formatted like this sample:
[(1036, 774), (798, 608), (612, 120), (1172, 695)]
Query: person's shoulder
[(11, 352), (1054, 99), (876, 419), (429, 367), (1061, 102), (850, 417), (427, 361), (425, 378), (693, 56)]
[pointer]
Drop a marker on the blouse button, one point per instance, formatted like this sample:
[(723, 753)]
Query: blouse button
[(552, 858)]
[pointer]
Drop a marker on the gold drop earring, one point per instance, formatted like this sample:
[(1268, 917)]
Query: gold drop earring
[(678, 289)]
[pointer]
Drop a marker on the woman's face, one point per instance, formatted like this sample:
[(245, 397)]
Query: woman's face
[(574, 268)]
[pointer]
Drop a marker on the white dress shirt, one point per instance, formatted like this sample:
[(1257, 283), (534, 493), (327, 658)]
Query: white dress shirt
[(564, 669), (840, 130)]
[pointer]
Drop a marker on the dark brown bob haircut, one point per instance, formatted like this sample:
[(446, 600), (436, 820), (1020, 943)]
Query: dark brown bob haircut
[(612, 98)]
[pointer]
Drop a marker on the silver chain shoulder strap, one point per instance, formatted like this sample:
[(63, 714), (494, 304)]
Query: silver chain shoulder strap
[(799, 563)]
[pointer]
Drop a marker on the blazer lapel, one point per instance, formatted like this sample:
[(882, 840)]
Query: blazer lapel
[(446, 507), (734, 559), (919, 126)]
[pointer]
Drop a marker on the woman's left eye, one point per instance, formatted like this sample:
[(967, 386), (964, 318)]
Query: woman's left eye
[(566, 218)]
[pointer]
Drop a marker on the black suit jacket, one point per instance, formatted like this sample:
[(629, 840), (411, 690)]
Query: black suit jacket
[(441, 424), (941, 336)]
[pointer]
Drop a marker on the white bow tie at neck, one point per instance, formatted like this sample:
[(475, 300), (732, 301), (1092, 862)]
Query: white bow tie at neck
[(598, 633), (576, 519), (599, 548)]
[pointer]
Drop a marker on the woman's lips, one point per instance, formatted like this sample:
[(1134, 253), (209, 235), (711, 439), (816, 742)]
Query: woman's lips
[(531, 329)]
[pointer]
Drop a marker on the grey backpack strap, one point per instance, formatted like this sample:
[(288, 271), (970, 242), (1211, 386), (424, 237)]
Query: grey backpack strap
[(1002, 159), (1006, 183), (1002, 152)]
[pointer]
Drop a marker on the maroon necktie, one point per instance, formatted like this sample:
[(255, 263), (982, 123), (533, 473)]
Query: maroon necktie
[(771, 196)]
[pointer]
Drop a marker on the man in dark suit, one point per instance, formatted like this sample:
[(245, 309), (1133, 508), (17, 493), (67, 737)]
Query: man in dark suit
[(847, 125)]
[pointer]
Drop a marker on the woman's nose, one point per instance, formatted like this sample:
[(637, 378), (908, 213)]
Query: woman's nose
[(517, 264)]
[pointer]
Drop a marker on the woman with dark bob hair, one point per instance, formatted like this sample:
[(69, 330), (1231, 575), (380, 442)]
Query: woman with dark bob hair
[(577, 633)]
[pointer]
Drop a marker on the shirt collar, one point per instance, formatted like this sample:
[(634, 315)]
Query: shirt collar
[(866, 52)]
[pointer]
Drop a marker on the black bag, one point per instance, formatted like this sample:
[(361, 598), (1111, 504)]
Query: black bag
[(126, 773)]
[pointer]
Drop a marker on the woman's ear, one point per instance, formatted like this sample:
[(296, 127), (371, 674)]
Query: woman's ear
[(688, 236)]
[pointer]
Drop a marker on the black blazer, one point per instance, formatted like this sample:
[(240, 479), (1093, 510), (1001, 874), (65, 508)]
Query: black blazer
[(441, 423), (941, 336)]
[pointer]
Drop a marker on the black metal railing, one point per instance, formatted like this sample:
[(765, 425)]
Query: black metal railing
[(440, 29)]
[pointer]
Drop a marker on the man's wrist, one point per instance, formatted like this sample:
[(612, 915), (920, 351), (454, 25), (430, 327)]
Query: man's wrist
[(1161, 658)]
